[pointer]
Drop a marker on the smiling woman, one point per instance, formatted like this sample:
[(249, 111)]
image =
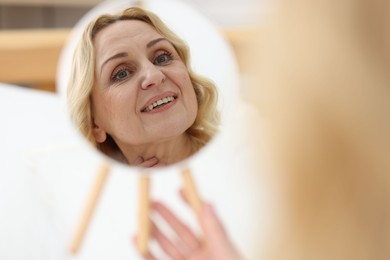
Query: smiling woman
[(133, 94)]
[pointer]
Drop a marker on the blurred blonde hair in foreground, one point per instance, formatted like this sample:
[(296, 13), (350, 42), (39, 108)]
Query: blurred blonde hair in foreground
[(323, 90)]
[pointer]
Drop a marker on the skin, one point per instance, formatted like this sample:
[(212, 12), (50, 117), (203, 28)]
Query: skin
[(215, 243), (134, 67)]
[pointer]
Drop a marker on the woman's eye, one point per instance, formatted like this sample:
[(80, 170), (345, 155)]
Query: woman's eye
[(120, 75), (163, 59)]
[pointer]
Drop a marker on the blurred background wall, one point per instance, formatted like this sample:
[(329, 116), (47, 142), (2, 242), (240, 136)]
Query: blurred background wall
[(32, 33), (17, 14)]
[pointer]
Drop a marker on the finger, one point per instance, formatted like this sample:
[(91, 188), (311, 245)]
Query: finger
[(160, 164), (138, 160), (212, 227), (148, 256), (149, 162), (165, 243), (183, 232), (183, 196), (217, 237)]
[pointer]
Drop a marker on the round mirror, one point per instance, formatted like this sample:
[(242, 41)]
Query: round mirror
[(134, 89)]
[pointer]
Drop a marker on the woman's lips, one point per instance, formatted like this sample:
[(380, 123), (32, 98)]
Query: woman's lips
[(156, 103)]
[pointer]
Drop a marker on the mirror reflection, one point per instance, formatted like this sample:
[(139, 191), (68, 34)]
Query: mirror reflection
[(133, 94)]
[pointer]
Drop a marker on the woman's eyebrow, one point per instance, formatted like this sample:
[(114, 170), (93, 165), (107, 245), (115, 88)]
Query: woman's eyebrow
[(124, 54), (116, 56), (153, 42)]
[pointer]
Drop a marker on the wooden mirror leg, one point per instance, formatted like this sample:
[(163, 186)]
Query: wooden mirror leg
[(89, 208), (191, 191), (144, 215)]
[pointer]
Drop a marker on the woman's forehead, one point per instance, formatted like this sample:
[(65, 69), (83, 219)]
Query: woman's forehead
[(125, 29), (123, 34)]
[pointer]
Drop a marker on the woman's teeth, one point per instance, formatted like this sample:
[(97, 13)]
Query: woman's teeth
[(159, 103)]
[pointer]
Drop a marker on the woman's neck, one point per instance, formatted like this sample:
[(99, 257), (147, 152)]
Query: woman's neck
[(167, 152)]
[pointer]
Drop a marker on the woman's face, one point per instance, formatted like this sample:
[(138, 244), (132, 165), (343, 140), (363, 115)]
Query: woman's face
[(142, 92)]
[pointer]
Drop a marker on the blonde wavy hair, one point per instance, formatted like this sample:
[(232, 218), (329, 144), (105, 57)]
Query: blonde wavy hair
[(82, 80)]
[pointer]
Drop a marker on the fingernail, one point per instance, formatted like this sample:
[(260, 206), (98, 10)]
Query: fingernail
[(138, 160)]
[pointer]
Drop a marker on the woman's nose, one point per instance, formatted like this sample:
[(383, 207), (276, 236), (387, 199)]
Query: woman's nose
[(152, 76)]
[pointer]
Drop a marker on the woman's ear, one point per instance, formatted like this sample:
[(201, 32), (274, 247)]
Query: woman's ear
[(98, 132)]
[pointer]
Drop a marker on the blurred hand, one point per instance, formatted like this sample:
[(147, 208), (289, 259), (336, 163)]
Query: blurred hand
[(215, 243)]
